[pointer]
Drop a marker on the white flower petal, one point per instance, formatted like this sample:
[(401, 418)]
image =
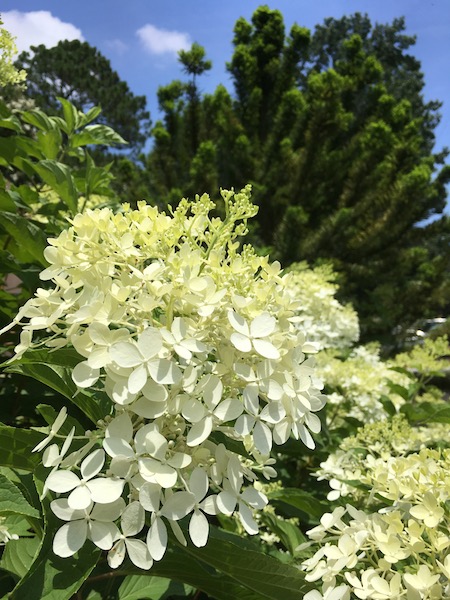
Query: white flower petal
[(84, 376), (193, 410), (247, 520), (199, 529), (244, 424), (121, 394), (199, 432), (157, 539), (179, 460), (262, 436), (103, 534), (125, 354), (238, 323), (266, 349), (108, 512), (198, 483), (117, 554), (255, 498), (63, 511), (156, 444), (154, 391), (165, 371), (241, 342), (133, 519), (137, 379), (70, 538), (178, 505), (228, 410), (149, 343), (80, 498), (92, 464), (139, 554), (105, 490), (226, 503), (62, 481), (262, 326), (118, 447), (150, 410), (149, 496)]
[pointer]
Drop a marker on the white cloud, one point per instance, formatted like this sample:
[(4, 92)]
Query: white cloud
[(38, 27), (162, 41)]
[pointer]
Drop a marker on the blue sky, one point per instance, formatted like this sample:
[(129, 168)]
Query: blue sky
[(141, 37)]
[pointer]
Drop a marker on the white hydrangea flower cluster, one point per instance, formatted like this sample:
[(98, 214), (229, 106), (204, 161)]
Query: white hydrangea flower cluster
[(320, 316), (359, 381), (400, 551), (191, 340)]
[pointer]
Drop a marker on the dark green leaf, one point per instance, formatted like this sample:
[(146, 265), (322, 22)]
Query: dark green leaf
[(300, 499), (290, 535), (39, 119), (426, 412), (15, 448)]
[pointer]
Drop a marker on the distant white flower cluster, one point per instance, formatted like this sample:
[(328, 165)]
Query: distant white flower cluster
[(399, 551), (320, 316), (194, 344), (359, 382)]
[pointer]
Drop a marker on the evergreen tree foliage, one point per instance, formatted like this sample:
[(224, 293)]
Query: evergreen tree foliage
[(332, 130)]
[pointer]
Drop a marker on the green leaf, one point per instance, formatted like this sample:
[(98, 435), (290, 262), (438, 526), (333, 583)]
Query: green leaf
[(50, 142), (290, 536), (30, 238), (301, 500), (59, 178), (148, 587), (19, 555), (54, 369), (11, 122), (39, 119), (426, 412), (70, 115), (13, 501), (388, 405), (96, 134), (15, 448), (264, 576)]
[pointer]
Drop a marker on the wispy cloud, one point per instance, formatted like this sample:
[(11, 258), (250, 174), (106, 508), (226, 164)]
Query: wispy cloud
[(117, 46), (163, 41), (38, 27)]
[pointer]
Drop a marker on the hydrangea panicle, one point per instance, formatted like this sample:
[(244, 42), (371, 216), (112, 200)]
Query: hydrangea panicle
[(190, 338)]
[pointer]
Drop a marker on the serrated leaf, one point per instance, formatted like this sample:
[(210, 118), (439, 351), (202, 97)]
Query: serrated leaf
[(13, 501), (149, 587)]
